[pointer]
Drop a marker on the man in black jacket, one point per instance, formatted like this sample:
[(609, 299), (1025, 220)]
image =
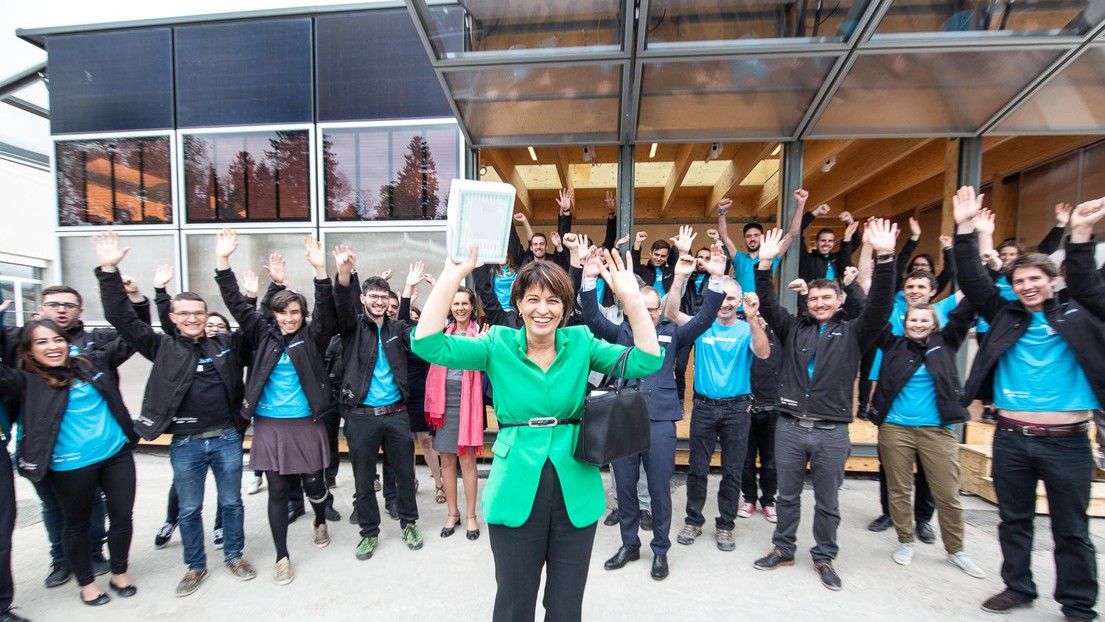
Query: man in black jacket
[(193, 393), (1043, 361), (822, 262), (821, 355), (374, 394)]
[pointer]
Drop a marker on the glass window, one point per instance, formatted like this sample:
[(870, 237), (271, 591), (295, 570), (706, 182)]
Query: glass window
[(247, 176), (356, 53), (78, 258), (389, 172), (19, 271), (252, 254), (10, 317), (111, 82), (975, 18), (1070, 102), (246, 73), (114, 181), (673, 22), (930, 92), (1093, 177), (394, 251), (31, 294), (1041, 188)]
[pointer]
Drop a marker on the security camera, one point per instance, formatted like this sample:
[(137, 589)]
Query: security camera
[(588, 153), (828, 165), (715, 151)]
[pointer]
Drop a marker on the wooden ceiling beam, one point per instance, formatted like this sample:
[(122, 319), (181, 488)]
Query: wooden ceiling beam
[(922, 165), (863, 162), (747, 156), (683, 159), (562, 169), (508, 172)]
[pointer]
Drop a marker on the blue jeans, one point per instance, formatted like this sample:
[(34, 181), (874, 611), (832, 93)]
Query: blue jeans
[(52, 520), (712, 424), (190, 458)]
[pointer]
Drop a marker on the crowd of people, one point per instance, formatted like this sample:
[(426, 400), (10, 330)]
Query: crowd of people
[(775, 388)]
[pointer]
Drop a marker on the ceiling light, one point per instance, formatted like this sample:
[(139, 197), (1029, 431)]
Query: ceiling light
[(532, 153), (483, 171), (652, 151), (777, 149)]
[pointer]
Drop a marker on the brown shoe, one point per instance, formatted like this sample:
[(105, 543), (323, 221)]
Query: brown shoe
[(1005, 602), (241, 569), (190, 583)]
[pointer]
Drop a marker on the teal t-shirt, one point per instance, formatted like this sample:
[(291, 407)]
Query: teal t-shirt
[(282, 396), (723, 361), (502, 284), (744, 270), (1040, 373), (88, 432), (915, 405), (658, 281), (897, 324), (383, 391)]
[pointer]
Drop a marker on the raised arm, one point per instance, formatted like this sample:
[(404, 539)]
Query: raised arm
[(162, 275), (910, 247), (960, 321), (249, 319), (588, 301), (883, 235), (775, 315), (761, 345), (118, 310), (1084, 281), (624, 283), (948, 273), (795, 230), (672, 312), (1054, 238), (976, 284), (723, 226), (428, 339), (611, 221), (521, 219)]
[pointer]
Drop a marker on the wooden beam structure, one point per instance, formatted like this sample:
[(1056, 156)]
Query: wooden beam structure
[(683, 160), (508, 172), (745, 158), (861, 163), (562, 168)]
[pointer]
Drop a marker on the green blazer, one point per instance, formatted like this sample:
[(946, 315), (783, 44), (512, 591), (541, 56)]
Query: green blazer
[(524, 391)]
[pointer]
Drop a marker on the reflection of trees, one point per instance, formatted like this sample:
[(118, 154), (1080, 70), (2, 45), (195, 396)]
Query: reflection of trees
[(270, 183), (413, 194), (114, 181)]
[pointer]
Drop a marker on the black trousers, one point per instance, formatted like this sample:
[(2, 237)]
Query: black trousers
[(546, 540), (659, 461), (1066, 467), (761, 440), (365, 434), (76, 490), (923, 504), (7, 526)]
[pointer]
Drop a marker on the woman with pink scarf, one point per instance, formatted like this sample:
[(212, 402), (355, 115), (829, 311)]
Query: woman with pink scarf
[(454, 409)]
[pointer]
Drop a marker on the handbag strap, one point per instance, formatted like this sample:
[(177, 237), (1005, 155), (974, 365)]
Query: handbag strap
[(617, 373)]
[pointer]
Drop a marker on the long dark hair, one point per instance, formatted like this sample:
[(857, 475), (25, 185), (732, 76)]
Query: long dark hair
[(27, 360), (475, 317)]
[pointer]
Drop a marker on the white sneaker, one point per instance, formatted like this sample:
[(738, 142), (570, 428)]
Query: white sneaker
[(254, 485), (903, 556), (966, 564)]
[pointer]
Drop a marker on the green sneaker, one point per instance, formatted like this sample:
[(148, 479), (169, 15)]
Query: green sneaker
[(412, 537), (366, 547)]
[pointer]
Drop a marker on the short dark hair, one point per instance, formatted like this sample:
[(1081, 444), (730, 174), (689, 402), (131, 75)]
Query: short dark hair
[(832, 284), (220, 316), (281, 299), (374, 283), (660, 244), (539, 235), (189, 296), (547, 275), (753, 225), (922, 274), (826, 230), (925, 256), (393, 296), (62, 289), (1010, 243), (704, 248), (1032, 260)]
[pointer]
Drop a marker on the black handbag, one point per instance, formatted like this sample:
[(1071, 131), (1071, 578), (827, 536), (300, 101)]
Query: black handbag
[(615, 421)]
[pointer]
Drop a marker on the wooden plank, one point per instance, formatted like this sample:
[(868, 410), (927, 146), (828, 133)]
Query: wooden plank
[(682, 164), (562, 170), (862, 162), (746, 157), (922, 164), (815, 154)]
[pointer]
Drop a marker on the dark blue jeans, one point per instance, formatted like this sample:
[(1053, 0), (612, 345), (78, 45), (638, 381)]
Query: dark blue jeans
[(172, 512), (7, 526), (1066, 467), (712, 424), (52, 520), (659, 463), (191, 458)]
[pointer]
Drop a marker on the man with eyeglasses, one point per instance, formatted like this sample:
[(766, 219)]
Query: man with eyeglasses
[(373, 393), (64, 306), (722, 403), (193, 391)]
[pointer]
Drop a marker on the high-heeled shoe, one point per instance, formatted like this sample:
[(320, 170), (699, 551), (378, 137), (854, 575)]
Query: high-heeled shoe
[(450, 530), (473, 534)]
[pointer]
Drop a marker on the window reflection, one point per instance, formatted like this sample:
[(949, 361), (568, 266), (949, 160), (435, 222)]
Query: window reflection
[(688, 21), (999, 17), (389, 173), (251, 176), (114, 181)]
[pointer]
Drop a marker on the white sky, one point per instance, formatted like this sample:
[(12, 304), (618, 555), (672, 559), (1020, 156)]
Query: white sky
[(29, 131)]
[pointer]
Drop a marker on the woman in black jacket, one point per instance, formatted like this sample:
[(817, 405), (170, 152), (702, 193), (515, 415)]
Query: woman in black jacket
[(915, 405), (77, 435), (287, 392)]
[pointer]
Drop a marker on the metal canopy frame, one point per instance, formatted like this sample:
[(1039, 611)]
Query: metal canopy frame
[(635, 55)]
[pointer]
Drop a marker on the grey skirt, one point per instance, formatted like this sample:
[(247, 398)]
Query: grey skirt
[(288, 446)]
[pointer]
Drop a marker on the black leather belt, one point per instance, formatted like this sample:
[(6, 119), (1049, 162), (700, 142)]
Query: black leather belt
[(810, 423), (1054, 431), (207, 434), (747, 397), (377, 411), (539, 422)]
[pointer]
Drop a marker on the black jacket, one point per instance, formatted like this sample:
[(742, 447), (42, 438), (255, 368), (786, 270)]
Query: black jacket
[(814, 265), (306, 347), (174, 360), (522, 257), (43, 407), (648, 273), (360, 337), (838, 350), (1078, 319), (765, 374), (86, 340), (902, 357)]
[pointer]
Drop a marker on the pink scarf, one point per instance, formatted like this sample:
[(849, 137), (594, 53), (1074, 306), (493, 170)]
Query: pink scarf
[(470, 438)]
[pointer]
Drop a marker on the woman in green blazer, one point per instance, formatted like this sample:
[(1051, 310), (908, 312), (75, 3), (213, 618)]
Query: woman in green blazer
[(541, 505)]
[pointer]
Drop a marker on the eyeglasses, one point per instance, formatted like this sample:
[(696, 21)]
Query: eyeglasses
[(218, 326), (189, 314), (68, 306), (376, 297), (653, 310)]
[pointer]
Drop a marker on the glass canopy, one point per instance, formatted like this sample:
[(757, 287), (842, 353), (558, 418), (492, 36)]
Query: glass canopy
[(981, 18), (1072, 102), (673, 22)]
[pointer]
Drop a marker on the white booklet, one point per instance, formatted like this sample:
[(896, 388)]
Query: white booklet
[(480, 213)]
